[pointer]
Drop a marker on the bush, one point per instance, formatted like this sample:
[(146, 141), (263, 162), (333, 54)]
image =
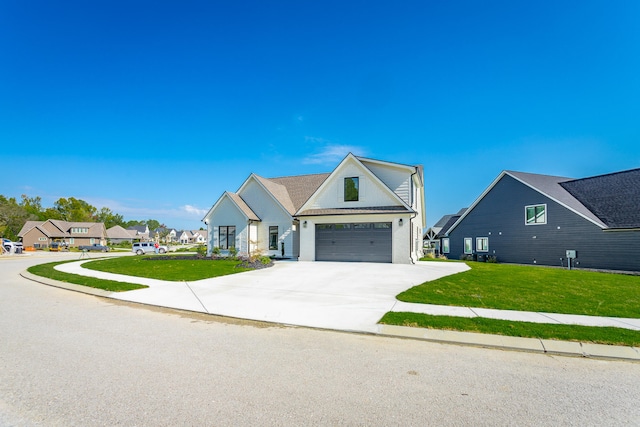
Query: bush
[(201, 250), (233, 252)]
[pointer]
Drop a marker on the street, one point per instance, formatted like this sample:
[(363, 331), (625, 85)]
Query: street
[(72, 359)]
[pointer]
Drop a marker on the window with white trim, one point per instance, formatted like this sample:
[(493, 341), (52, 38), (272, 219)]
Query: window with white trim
[(445, 245), (535, 214), (482, 244), (468, 245)]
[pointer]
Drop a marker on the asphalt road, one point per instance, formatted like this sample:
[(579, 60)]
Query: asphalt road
[(70, 359)]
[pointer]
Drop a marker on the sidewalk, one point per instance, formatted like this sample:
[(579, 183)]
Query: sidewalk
[(345, 297)]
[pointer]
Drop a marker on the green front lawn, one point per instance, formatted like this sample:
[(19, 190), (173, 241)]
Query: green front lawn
[(540, 289), (599, 335), (47, 270), (166, 269)]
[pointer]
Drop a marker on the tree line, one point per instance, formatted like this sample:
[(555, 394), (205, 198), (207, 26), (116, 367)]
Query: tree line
[(14, 214)]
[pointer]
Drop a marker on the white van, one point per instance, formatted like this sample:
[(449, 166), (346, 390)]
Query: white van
[(140, 248)]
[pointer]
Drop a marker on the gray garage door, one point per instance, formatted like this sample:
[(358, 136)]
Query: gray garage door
[(362, 241)]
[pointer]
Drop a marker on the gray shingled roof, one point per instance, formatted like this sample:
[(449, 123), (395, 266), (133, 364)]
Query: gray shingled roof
[(243, 206), (293, 191), (550, 187), (614, 198)]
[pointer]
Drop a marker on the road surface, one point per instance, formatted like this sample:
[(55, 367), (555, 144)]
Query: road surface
[(69, 359)]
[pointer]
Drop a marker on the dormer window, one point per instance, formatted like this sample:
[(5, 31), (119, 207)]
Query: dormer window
[(351, 189)]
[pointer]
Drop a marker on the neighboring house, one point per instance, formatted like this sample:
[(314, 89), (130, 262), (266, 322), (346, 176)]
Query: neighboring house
[(199, 236), (192, 236), (40, 234), (365, 210), (117, 234), (430, 239), (165, 235), (185, 236), (142, 231), (535, 219)]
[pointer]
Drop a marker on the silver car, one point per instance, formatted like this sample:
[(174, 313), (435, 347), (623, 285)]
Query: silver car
[(147, 247)]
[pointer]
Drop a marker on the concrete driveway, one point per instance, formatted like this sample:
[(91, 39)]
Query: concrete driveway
[(333, 295)]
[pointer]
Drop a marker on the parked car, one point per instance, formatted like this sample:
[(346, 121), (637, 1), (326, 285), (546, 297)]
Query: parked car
[(94, 247), (12, 247), (140, 248)]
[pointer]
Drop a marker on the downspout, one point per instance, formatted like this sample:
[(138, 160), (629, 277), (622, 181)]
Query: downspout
[(415, 214)]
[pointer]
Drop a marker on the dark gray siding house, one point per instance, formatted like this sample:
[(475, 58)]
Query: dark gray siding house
[(535, 219)]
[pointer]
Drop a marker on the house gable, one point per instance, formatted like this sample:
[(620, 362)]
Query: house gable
[(372, 191), (268, 200)]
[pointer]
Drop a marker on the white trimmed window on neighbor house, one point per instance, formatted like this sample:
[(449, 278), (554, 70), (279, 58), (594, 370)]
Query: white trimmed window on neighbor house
[(536, 214)]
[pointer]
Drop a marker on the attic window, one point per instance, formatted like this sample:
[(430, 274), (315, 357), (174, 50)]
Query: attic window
[(536, 214), (351, 186)]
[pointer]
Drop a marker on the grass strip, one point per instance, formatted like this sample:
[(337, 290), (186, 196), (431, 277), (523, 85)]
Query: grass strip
[(598, 335), (48, 270), (533, 288), (167, 269)]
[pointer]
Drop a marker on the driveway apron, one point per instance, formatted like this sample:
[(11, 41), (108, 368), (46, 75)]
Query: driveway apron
[(332, 295)]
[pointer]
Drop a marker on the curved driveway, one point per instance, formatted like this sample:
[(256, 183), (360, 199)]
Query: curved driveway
[(333, 295)]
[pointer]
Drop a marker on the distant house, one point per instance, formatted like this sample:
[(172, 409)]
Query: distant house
[(535, 219), (165, 235), (141, 231), (364, 210), (192, 236), (117, 234), (40, 234), (431, 238)]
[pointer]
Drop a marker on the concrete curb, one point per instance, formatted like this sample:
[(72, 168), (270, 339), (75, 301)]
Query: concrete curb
[(65, 285), (530, 345)]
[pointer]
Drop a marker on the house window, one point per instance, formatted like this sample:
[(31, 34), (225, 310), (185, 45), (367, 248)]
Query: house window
[(227, 236), (482, 244), (72, 241), (445, 246), (468, 245), (42, 239), (536, 214), (92, 241), (273, 237), (351, 186)]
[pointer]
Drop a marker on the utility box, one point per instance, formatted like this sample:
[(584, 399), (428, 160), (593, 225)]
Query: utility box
[(571, 254)]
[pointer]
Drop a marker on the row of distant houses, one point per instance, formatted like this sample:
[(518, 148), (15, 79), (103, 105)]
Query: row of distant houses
[(529, 218), (41, 234)]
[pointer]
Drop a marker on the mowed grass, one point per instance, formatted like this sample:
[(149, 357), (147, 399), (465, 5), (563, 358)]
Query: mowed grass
[(169, 269), (48, 270), (598, 335), (540, 289)]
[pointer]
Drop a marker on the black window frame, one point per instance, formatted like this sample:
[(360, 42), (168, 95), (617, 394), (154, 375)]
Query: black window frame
[(226, 228), (348, 191), (273, 232)]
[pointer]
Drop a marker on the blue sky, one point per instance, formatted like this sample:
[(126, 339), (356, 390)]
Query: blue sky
[(155, 108)]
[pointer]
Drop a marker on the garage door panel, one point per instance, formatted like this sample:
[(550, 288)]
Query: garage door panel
[(365, 242)]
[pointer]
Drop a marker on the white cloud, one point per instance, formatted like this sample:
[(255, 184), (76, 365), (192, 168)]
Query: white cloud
[(330, 153), (192, 210)]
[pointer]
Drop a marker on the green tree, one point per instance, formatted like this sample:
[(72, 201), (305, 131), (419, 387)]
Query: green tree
[(33, 205), (75, 210), (12, 217), (109, 218)]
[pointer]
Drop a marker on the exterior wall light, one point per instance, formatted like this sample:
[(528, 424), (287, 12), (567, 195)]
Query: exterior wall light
[(400, 221), (304, 224)]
